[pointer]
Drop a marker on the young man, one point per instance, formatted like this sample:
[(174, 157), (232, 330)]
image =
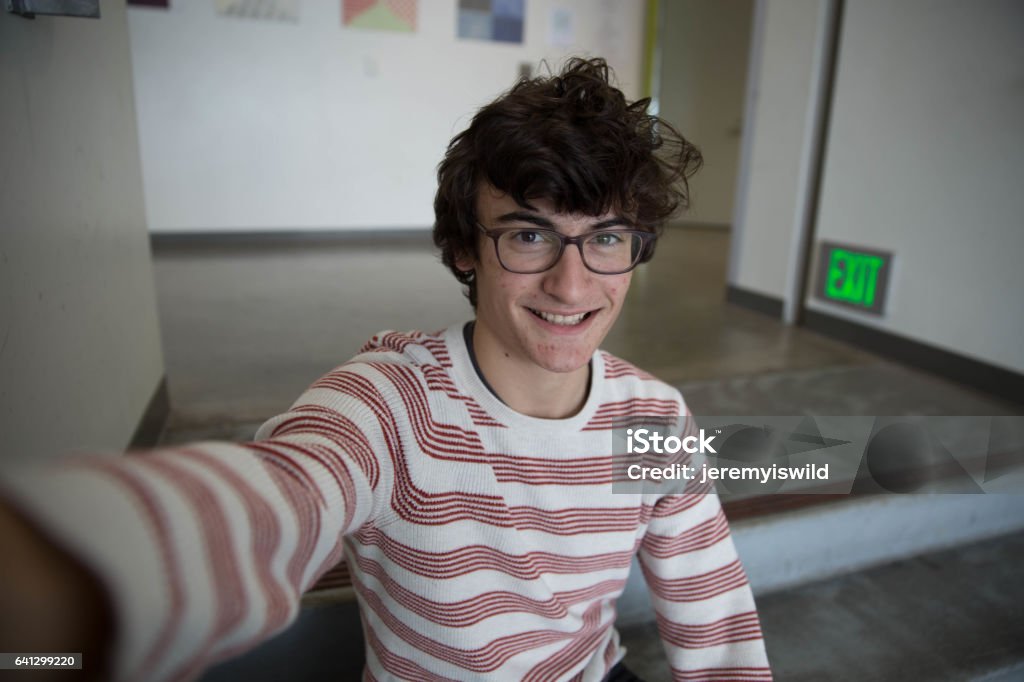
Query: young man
[(465, 475)]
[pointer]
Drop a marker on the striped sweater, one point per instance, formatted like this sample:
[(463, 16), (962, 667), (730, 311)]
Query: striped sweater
[(482, 543)]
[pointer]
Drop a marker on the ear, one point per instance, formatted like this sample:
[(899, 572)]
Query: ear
[(465, 262)]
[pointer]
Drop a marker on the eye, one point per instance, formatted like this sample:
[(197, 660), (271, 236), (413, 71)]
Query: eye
[(526, 236), (531, 237), (607, 239)]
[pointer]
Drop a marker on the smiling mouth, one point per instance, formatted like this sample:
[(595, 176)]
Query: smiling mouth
[(561, 320)]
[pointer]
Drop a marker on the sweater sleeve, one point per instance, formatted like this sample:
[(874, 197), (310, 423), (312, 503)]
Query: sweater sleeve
[(206, 549), (705, 609)]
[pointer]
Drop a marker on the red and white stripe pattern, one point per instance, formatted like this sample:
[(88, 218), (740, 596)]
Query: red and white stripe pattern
[(481, 544)]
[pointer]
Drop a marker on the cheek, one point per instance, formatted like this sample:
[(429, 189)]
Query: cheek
[(616, 291), (512, 285), (504, 292), (623, 286)]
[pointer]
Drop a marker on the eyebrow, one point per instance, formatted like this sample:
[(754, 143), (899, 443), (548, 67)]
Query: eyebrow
[(541, 221)]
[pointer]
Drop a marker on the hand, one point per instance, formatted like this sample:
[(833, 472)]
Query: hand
[(49, 603)]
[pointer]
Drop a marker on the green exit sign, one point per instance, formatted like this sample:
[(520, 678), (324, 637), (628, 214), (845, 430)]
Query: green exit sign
[(853, 276)]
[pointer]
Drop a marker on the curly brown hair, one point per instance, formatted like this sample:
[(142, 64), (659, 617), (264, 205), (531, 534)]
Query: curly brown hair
[(570, 138)]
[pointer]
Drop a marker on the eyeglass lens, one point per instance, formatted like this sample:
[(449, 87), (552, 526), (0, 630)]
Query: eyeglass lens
[(537, 250)]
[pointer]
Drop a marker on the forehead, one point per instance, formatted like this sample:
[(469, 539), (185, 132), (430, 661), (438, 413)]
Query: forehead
[(492, 203)]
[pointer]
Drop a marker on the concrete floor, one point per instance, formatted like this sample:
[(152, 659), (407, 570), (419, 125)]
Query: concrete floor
[(942, 617), (246, 329)]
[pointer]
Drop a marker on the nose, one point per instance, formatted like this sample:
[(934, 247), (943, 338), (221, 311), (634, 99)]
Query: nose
[(569, 279)]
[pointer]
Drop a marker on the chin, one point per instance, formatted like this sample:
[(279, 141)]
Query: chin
[(566, 362), (564, 368)]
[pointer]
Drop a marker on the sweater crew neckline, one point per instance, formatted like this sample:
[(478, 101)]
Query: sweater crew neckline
[(467, 377)]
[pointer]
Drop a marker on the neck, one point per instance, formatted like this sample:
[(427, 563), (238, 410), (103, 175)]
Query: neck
[(527, 388)]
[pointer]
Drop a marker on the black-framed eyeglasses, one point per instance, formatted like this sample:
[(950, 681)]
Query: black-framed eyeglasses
[(529, 250)]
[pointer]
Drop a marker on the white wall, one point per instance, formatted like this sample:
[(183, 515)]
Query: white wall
[(704, 53), (79, 343), (253, 125), (781, 94), (924, 159)]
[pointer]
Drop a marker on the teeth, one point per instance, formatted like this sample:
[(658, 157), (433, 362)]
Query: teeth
[(566, 320)]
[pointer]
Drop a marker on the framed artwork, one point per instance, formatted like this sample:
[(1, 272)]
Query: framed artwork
[(380, 15), (497, 20), (89, 9), (269, 10)]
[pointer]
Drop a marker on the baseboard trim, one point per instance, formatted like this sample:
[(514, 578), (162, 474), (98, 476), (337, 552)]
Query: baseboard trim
[(163, 241), (151, 424), (1003, 383), (752, 300)]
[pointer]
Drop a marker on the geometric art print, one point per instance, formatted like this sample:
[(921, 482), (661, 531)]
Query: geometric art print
[(380, 15), (497, 20)]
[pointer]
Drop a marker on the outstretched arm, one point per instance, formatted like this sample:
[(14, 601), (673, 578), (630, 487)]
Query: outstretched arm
[(205, 550)]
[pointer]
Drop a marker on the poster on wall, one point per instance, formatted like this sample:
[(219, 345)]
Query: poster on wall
[(498, 20), (270, 10), (380, 15)]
